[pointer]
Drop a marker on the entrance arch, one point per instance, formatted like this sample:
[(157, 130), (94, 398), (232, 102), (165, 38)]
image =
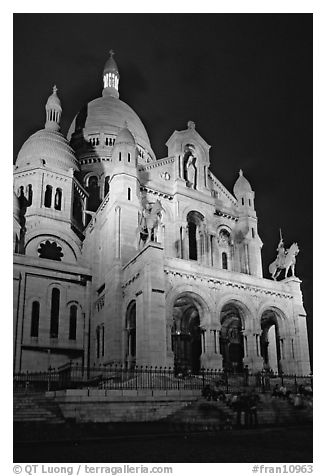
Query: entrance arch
[(270, 342), (186, 334), (231, 338)]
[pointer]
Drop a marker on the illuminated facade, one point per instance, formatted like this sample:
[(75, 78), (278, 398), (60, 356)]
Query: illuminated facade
[(123, 257)]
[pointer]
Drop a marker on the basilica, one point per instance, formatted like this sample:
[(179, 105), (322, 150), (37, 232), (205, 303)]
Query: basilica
[(123, 257)]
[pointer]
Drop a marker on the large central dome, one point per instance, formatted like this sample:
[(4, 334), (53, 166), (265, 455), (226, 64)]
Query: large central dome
[(109, 114), (100, 121)]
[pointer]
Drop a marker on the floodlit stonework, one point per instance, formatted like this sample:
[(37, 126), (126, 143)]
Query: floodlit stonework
[(120, 257)]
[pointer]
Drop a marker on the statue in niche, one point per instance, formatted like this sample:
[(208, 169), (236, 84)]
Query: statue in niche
[(224, 238), (191, 171)]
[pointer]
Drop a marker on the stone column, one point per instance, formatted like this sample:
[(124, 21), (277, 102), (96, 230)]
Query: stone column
[(287, 363), (117, 232), (184, 241), (251, 351), (169, 351), (212, 358), (272, 352)]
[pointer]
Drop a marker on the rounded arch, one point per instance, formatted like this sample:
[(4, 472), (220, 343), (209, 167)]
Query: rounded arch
[(196, 241), (194, 146), (200, 296), (200, 209), (131, 333), (73, 302), (284, 324), (186, 333), (247, 311), (234, 317), (274, 328), (41, 234), (223, 227), (89, 175)]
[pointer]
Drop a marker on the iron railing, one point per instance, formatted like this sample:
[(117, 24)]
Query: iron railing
[(119, 377)]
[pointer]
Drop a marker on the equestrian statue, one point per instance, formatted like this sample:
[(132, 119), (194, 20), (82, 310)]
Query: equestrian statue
[(150, 219), (285, 259)]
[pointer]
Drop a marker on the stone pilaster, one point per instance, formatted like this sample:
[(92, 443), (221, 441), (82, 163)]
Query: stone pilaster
[(211, 357), (252, 354)]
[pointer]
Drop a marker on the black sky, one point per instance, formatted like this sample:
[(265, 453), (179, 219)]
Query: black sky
[(245, 79)]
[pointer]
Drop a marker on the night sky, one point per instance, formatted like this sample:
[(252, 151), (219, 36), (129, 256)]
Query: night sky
[(244, 79)]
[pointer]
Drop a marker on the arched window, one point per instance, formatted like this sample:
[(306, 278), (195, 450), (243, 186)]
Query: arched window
[(94, 194), (131, 331), (128, 157), (102, 339), (55, 307), (48, 196), (242, 201), (29, 195), (120, 156), (224, 260), (106, 185), (58, 199), (77, 209), (195, 235), (100, 349), (73, 323), (192, 241), (129, 193), (98, 342), (35, 319)]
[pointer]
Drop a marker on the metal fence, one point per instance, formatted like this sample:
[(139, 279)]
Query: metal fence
[(118, 377)]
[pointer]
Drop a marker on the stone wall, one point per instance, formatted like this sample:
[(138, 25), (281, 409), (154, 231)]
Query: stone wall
[(121, 405)]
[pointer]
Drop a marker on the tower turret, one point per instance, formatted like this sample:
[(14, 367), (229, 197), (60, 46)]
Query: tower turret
[(45, 185), (111, 77), (248, 242), (53, 111)]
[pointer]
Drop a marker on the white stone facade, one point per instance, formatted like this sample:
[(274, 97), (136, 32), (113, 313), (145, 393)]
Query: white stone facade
[(94, 284)]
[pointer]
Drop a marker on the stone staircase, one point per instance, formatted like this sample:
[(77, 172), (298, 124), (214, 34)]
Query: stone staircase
[(201, 415), (35, 407), (204, 415), (196, 415), (278, 411)]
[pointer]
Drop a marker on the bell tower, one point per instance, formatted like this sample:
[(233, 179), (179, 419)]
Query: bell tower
[(248, 242), (191, 153)]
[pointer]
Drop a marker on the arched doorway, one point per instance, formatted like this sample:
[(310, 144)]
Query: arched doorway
[(231, 338), (270, 343), (186, 335)]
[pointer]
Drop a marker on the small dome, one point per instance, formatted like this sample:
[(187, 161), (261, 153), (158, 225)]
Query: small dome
[(16, 206), (125, 137), (53, 100), (241, 186), (49, 148), (111, 66)]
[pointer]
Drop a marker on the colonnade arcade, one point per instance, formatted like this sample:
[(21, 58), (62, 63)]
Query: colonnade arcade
[(232, 343)]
